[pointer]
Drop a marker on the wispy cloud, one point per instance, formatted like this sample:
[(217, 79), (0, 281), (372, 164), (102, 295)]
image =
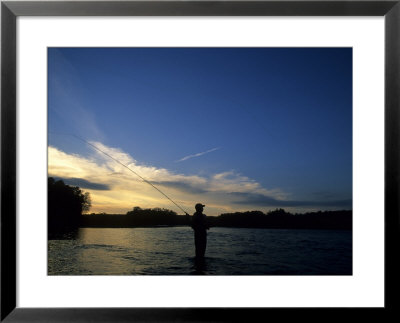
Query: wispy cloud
[(125, 190), (115, 190), (197, 155), (70, 90), (184, 186)]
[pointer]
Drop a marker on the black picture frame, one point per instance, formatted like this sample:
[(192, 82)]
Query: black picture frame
[(10, 10)]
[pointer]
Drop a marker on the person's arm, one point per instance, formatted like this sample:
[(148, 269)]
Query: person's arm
[(190, 220), (206, 224), (193, 222)]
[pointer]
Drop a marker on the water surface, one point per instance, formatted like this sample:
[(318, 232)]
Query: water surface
[(230, 251)]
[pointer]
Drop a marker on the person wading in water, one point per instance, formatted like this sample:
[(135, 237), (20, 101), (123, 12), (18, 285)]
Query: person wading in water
[(200, 227)]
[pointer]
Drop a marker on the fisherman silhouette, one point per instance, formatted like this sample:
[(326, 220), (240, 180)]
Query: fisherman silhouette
[(200, 227)]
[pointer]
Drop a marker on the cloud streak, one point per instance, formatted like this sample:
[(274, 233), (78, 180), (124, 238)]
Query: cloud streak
[(197, 155), (268, 201), (182, 186), (83, 183), (69, 88)]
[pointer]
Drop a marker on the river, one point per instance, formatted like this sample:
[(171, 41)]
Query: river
[(230, 251)]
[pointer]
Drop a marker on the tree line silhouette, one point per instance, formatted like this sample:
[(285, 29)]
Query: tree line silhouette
[(67, 203), (277, 219), (136, 217)]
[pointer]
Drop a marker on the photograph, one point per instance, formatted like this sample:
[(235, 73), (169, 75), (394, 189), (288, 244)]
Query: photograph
[(199, 161)]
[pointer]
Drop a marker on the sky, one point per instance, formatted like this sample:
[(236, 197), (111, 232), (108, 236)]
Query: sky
[(236, 129)]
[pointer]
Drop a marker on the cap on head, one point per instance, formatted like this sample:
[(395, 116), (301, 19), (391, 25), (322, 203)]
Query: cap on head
[(199, 206)]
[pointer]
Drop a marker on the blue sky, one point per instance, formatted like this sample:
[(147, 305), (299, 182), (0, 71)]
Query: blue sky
[(233, 128)]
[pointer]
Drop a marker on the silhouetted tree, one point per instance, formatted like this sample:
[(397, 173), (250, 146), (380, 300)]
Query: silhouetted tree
[(154, 216), (87, 202), (278, 212), (65, 206)]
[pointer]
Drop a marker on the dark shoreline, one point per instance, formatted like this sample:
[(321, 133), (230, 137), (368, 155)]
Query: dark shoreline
[(278, 219)]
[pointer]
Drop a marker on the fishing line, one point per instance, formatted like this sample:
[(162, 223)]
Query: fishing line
[(116, 160)]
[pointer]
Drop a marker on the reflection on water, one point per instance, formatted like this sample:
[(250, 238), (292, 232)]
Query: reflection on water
[(230, 251), (200, 266)]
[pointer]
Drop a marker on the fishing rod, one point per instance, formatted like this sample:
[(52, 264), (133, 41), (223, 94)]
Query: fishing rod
[(116, 160)]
